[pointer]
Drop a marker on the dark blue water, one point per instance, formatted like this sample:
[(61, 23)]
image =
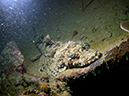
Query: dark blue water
[(20, 20), (16, 19)]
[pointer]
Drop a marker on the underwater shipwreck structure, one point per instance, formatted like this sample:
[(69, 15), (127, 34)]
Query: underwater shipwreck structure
[(67, 68)]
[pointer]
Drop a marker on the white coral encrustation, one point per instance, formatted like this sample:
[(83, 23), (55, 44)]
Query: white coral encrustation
[(74, 55), (61, 56)]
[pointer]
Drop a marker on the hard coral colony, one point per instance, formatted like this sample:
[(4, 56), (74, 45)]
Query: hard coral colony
[(66, 55), (76, 55)]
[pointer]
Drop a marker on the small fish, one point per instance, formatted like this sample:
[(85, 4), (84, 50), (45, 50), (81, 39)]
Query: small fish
[(74, 33)]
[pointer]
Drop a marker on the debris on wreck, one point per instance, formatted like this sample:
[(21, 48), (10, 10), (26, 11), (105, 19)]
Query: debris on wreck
[(45, 41), (48, 40), (74, 33), (125, 25)]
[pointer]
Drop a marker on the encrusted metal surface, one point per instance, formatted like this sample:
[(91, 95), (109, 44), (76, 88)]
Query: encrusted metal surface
[(61, 56)]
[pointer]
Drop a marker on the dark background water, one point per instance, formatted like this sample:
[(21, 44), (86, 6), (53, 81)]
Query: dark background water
[(20, 19), (16, 19)]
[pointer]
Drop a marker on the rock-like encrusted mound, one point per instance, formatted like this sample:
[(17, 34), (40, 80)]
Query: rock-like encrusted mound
[(76, 55), (10, 59), (62, 56)]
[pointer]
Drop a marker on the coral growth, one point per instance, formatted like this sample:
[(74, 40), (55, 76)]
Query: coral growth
[(76, 55), (61, 56), (11, 67), (19, 68), (11, 58), (112, 57)]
